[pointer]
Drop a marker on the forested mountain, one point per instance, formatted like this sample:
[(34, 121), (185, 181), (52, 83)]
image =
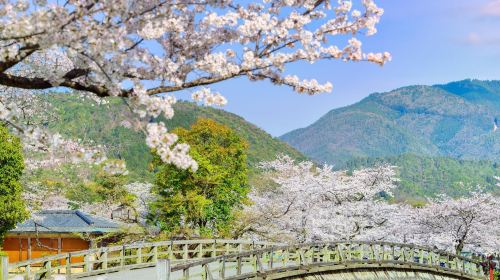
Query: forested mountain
[(107, 125), (455, 120), (449, 127)]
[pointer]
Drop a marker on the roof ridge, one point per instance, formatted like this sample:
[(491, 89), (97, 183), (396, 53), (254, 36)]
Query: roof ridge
[(82, 216)]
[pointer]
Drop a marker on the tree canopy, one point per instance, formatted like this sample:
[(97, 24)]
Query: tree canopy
[(12, 209), (204, 201)]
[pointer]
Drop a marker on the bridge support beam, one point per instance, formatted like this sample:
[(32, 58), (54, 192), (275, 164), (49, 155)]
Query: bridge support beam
[(163, 270)]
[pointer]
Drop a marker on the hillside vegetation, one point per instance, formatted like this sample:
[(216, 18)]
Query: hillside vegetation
[(430, 176), (451, 129), (104, 124), (454, 120)]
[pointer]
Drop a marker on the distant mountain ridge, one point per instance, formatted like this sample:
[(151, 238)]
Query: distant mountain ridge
[(454, 120)]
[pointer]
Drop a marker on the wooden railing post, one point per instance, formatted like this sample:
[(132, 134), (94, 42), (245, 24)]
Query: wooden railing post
[(122, 256), (139, 255), (86, 262), (48, 269), (260, 268), (185, 255), (68, 266), (208, 273), (104, 261), (325, 254), (155, 254), (4, 267), (170, 250), (372, 253), (214, 248), (222, 269), (301, 257), (28, 271), (338, 257), (286, 257), (200, 251), (349, 252), (238, 266), (271, 257), (163, 270), (185, 273)]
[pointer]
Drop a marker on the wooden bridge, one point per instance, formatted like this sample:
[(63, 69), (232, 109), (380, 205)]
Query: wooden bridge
[(236, 259)]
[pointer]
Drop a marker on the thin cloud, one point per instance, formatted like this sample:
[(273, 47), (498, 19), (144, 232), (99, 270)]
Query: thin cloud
[(473, 39), (476, 39), (492, 8)]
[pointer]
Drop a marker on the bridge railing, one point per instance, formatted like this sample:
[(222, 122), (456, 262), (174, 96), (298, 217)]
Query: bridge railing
[(287, 261), (139, 255)]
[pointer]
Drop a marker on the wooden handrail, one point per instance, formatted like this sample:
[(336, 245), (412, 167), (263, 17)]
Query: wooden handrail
[(264, 256), (460, 266), (130, 254)]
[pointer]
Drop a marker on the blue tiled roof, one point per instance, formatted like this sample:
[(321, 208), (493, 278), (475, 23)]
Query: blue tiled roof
[(65, 221)]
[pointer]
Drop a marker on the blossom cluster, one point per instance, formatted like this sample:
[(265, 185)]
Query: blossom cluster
[(208, 98), (166, 147), (161, 47), (146, 105)]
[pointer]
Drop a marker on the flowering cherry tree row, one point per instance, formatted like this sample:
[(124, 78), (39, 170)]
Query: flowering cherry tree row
[(469, 223), (316, 203), (311, 203), (144, 51)]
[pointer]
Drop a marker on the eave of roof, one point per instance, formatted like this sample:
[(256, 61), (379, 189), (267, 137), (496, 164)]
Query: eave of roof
[(66, 221)]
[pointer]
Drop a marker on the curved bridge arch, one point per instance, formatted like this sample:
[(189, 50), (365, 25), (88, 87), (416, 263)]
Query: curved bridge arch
[(239, 259), (299, 261)]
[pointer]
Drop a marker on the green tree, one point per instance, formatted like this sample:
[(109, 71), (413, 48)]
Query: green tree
[(12, 208), (203, 202)]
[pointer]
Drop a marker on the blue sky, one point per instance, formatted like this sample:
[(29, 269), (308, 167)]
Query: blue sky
[(431, 41)]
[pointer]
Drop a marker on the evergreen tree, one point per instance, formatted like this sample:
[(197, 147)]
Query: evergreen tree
[(12, 208)]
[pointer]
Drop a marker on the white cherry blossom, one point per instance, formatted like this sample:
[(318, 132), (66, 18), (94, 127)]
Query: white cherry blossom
[(312, 203), (144, 51)]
